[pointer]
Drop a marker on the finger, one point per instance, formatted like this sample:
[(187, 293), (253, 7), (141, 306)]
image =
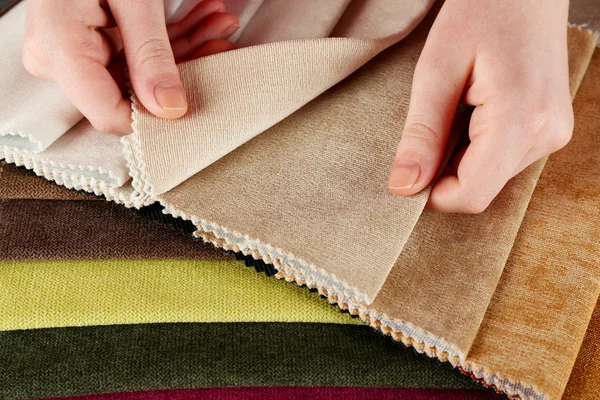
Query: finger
[(213, 47), (187, 26), (438, 83), (154, 76), (487, 165), (106, 109), (217, 26)]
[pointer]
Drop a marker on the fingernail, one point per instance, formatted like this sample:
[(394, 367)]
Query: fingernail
[(405, 174), (170, 96), (231, 30)]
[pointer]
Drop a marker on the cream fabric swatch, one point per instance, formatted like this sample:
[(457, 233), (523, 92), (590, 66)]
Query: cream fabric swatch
[(278, 77)]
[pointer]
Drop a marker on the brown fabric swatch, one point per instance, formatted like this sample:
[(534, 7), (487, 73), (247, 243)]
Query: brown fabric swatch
[(18, 183), (538, 316), (62, 230), (585, 13)]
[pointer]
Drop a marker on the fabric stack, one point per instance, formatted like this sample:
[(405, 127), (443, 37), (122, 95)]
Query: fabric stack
[(126, 284)]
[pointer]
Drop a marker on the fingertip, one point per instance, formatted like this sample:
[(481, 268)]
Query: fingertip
[(213, 47), (443, 195), (118, 123)]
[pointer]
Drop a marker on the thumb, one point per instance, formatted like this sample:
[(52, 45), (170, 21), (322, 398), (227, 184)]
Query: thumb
[(437, 86), (152, 70)]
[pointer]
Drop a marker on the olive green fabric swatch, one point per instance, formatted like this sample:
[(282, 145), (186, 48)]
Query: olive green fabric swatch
[(104, 359)]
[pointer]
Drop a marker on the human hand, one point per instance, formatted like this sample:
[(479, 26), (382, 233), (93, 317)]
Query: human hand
[(78, 44), (506, 58)]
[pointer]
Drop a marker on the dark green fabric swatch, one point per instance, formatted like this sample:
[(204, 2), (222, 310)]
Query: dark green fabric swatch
[(102, 359)]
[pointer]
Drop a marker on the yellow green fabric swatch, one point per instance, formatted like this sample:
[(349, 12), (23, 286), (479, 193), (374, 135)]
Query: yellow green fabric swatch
[(44, 294)]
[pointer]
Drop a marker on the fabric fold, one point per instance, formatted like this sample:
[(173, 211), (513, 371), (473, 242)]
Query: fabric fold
[(278, 77), (261, 85), (460, 258)]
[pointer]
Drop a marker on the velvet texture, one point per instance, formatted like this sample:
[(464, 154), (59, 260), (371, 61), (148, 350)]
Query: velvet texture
[(477, 300), (18, 183), (82, 293), (104, 359), (66, 230)]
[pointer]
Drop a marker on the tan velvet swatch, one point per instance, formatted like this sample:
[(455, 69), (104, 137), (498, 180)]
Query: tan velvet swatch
[(447, 273), (538, 316)]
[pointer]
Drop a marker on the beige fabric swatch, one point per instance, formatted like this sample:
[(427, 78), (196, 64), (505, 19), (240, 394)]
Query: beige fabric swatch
[(280, 78)]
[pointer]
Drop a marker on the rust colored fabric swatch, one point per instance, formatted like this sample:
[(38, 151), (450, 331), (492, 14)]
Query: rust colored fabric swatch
[(583, 383), (538, 316)]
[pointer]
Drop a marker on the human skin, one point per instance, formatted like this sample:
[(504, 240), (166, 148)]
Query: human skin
[(78, 44), (507, 59)]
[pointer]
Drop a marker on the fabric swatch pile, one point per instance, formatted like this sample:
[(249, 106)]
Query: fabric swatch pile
[(282, 161)]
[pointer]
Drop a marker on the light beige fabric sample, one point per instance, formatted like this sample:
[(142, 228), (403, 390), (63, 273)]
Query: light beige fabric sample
[(280, 77), (280, 20)]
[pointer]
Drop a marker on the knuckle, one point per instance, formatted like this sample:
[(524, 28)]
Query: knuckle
[(563, 131), (476, 205), (422, 132), (152, 50)]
